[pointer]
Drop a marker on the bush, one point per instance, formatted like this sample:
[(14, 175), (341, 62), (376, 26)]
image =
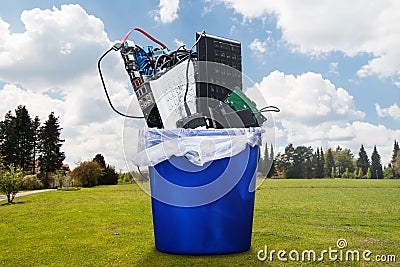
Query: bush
[(10, 182), (86, 174), (125, 178), (59, 177), (109, 176), (31, 182)]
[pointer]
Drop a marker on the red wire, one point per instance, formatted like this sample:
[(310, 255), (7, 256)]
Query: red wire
[(146, 34)]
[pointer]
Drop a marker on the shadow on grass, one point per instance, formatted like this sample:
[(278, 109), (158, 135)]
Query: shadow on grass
[(155, 256), (12, 203)]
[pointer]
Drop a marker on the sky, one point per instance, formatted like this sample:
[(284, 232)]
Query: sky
[(332, 67)]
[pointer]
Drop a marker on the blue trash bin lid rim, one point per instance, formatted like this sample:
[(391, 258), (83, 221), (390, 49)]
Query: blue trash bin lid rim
[(198, 146)]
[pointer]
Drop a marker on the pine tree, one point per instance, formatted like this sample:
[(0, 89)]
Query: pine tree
[(322, 164), (394, 156), (319, 168), (51, 156), (24, 138), (396, 165), (376, 165), (35, 129), (395, 150), (262, 166), (108, 174), (8, 139), (369, 174), (330, 163), (99, 158), (17, 139), (317, 163), (271, 171), (362, 160)]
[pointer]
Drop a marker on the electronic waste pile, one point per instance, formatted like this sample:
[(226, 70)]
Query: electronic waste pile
[(186, 88)]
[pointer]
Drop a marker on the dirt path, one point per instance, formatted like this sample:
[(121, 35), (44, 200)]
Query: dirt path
[(4, 197)]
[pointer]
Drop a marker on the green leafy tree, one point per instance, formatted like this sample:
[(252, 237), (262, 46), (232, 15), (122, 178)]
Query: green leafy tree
[(31, 182), (125, 178), (363, 161), (60, 177), (388, 173), (376, 165), (346, 174), (295, 162), (10, 182), (51, 157), (86, 174), (303, 164), (343, 160)]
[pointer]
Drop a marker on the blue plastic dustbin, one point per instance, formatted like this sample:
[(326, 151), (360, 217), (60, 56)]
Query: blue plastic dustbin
[(202, 210)]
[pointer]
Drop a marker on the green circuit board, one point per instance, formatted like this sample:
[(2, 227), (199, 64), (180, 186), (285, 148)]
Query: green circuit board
[(239, 101)]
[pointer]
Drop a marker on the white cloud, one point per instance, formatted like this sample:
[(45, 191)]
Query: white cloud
[(352, 27), (308, 98), (257, 8), (37, 104), (168, 11), (54, 49), (232, 30), (333, 68), (392, 111), (4, 32), (53, 62), (258, 47), (369, 135), (178, 42), (314, 112)]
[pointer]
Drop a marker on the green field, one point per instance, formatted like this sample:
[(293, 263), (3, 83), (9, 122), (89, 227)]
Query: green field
[(112, 225)]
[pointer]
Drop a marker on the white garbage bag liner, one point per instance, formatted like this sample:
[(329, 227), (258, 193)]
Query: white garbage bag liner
[(198, 146)]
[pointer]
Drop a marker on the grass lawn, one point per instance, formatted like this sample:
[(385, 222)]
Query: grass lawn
[(112, 225)]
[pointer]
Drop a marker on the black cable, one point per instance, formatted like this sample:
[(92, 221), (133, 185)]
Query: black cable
[(188, 113), (269, 109), (115, 48)]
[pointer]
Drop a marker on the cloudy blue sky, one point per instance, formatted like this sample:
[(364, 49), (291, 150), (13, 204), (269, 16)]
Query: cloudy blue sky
[(333, 67)]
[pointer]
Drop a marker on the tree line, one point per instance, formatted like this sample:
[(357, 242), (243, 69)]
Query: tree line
[(31, 157), (94, 172), (304, 162), (33, 147)]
